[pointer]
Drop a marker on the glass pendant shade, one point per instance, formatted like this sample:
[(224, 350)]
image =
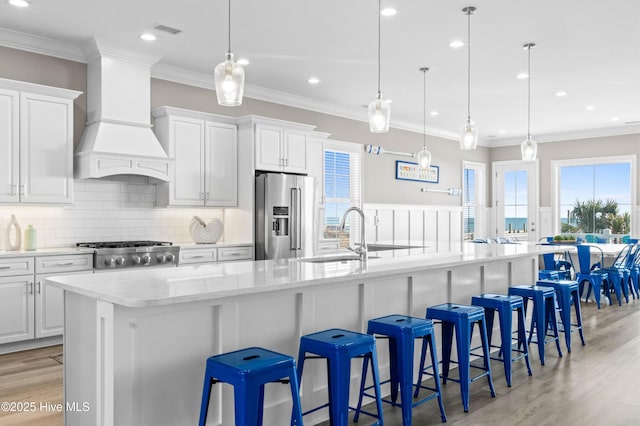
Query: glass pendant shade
[(424, 159), (379, 115), (468, 136), (229, 77), (529, 149)]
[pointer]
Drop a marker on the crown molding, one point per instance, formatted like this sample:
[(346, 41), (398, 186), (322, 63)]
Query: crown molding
[(41, 45), (629, 129)]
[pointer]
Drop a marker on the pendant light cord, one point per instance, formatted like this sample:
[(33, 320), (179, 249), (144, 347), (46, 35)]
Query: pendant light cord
[(529, 95), (229, 35), (424, 109), (379, 38), (469, 11)]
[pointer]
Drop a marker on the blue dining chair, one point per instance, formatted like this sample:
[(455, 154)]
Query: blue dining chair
[(620, 273), (592, 274)]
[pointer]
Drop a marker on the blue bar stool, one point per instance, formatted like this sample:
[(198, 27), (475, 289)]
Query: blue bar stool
[(505, 305), (461, 318), (401, 331), (248, 370), (338, 347), (544, 313), (566, 293)]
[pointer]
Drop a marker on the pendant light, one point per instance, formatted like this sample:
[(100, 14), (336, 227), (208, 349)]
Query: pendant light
[(424, 156), (468, 132), (529, 148), (229, 76), (379, 109)]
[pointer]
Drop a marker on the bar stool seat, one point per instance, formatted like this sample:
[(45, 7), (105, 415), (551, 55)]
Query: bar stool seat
[(460, 318), (567, 292), (339, 347), (402, 331), (505, 305), (248, 370), (544, 305)]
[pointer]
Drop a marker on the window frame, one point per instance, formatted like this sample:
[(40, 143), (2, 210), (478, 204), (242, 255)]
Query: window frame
[(352, 149), (480, 222), (556, 165)]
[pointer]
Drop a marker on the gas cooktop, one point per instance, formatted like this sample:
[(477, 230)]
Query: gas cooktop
[(131, 254)]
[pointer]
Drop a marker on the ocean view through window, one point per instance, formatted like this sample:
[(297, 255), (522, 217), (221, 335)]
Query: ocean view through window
[(595, 197)]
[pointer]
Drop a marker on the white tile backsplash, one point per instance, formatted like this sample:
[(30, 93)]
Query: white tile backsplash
[(108, 209)]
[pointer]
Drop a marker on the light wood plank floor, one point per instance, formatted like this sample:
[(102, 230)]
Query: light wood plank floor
[(594, 385)]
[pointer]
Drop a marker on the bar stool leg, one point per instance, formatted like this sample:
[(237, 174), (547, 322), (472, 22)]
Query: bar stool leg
[(206, 393), (376, 384), (394, 361), (247, 411), (551, 317), (339, 378), (576, 304), (541, 324), (430, 340), (447, 343), (565, 315), (405, 365), (506, 333), (462, 342), (522, 337), (487, 361), (295, 395)]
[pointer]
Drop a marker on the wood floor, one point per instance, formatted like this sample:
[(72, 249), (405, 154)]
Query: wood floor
[(596, 384)]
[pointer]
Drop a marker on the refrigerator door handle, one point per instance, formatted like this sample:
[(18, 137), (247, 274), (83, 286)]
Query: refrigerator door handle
[(299, 219), (293, 220)]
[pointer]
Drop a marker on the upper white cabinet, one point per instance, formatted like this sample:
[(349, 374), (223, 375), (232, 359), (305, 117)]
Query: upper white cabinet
[(280, 146), (36, 143), (205, 152)]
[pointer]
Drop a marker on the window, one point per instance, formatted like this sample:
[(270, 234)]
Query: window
[(516, 204), (595, 197), (472, 200), (341, 191)]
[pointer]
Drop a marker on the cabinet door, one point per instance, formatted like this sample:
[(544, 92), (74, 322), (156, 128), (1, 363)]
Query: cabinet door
[(9, 148), (46, 149), (295, 148), (269, 147), (187, 188), (16, 308), (49, 309), (221, 165)]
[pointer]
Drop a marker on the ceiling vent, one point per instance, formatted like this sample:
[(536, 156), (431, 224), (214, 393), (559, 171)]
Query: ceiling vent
[(166, 29)]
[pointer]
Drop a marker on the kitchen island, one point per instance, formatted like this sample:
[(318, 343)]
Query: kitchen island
[(136, 342)]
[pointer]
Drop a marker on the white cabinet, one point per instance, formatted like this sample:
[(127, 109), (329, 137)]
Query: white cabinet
[(36, 143), (212, 254), (205, 152), (30, 309), (280, 146)]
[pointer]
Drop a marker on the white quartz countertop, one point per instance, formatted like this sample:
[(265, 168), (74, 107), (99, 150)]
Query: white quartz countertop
[(164, 286), (46, 252)]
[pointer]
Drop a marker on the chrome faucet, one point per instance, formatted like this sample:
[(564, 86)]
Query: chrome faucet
[(362, 249)]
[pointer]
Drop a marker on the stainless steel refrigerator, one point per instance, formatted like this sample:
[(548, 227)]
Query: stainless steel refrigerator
[(284, 215)]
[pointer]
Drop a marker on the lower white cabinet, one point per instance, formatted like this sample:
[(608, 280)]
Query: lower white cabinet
[(210, 254), (29, 308)]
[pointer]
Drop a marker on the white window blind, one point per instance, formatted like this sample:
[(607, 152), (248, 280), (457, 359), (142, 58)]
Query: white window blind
[(342, 189)]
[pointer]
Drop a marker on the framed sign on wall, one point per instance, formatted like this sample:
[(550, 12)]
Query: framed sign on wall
[(411, 171)]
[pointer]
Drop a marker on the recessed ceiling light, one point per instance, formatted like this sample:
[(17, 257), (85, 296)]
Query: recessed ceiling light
[(456, 44), (561, 93), (19, 3), (522, 76), (434, 113), (590, 108), (502, 131), (243, 61), (148, 37), (313, 80), (615, 118), (389, 11)]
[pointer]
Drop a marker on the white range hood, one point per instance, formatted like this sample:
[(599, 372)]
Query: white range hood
[(118, 138)]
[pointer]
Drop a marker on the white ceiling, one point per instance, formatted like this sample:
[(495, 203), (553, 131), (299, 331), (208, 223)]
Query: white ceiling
[(588, 48)]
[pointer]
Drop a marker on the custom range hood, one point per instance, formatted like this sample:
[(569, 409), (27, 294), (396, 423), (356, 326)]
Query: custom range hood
[(118, 138)]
